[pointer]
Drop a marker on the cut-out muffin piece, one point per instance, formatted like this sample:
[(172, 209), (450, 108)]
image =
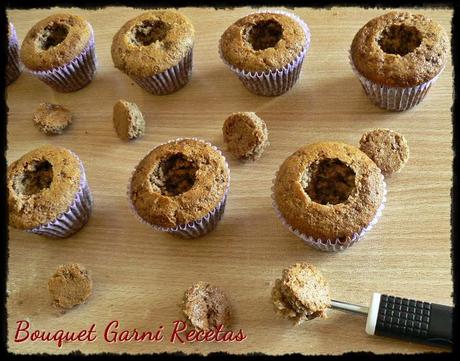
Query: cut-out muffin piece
[(70, 286), (246, 135), (128, 120), (387, 148), (301, 294), (52, 119), (206, 306)]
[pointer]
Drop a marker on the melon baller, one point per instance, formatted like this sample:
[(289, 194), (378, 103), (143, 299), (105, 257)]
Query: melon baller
[(405, 319)]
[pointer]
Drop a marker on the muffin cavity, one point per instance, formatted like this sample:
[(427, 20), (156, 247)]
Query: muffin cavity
[(400, 39), (329, 181), (174, 175), (37, 176), (149, 31), (264, 34), (52, 35)]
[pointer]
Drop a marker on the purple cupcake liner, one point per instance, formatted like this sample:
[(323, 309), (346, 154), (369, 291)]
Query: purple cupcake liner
[(76, 216), (329, 245), (170, 80), (278, 81), (393, 98), (74, 75), (196, 228), (13, 65)]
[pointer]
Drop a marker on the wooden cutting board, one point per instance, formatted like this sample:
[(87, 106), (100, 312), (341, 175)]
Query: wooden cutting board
[(140, 274)]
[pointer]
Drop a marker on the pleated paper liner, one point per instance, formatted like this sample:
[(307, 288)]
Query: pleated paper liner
[(196, 228), (74, 75), (13, 65), (76, 216), (329, 245), (169, 81), (278, 81), (393, 98)]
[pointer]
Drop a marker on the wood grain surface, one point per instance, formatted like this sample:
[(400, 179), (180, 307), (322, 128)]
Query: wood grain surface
[(140, 274)]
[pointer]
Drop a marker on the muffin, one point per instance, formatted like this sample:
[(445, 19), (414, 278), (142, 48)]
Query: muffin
[(69, 286), (128, 120), (387, 148), (181, 187), (266, 50), (206, 307), (13, 65), (48, 193), (397, 57), (60, 51), (245, 135), (301, 294), (329, 194), (52, 119), (155, 49)]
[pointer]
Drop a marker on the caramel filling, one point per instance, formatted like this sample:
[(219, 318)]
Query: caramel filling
[(174, 175), (149, 32), (329, 181), (52, 35), (399, 39), (37, 176), (264, 34)]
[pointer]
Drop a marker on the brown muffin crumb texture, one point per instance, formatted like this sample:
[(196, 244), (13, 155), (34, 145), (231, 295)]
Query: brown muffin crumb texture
[(301, 294), (387, 148), (42, 184), (179, 182), (206, 306), (128, 120), (246, 135), (263, 41), (400, 49), (52, 119), (70, 285)]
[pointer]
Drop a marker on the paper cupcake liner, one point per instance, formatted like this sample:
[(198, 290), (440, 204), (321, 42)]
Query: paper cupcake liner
[(171, 80), (278, 81), (13, 65), (76, 216), (74, 75), (329, 245), (196, 228), (393, 98)]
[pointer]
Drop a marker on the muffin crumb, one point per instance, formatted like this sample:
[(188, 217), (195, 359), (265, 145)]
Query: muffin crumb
[(70, 286), (387, 148), (52, 119), (301, 294), (206, 306), (246, 135), (128, 120)]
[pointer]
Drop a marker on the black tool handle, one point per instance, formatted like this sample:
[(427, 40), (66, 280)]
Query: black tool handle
[(414, 320)]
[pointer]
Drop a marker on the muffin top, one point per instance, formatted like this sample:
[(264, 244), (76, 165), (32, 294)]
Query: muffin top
[(245, 135), (328, 190), (302, 293), (179, 182), (387, 148), (263, 41), (41, 185), (152, 42), (400, 49), (206, 306), (55, 41)]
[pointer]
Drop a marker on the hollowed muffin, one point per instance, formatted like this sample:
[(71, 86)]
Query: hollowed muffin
[(59, 50), (329, 194), (48, 193), (266, 50), (155, 49), (397, 56), (181, 187)]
